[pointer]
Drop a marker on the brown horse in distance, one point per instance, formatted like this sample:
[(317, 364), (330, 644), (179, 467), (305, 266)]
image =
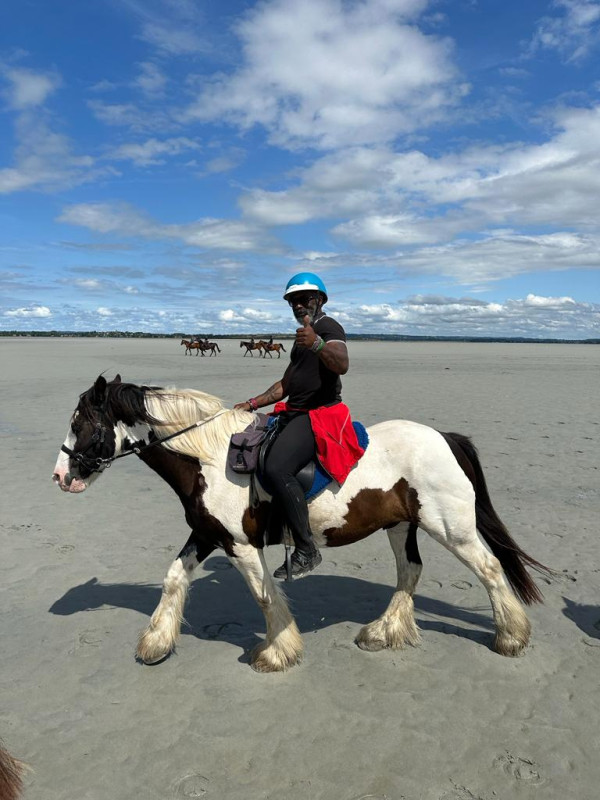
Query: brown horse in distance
[(189, 346), (250, 346), (272, 347), (213, 347)]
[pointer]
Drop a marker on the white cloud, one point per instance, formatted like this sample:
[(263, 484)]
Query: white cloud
[(464, 209), (446, 316), (150, 152), (151, 80), (91, 284), (29, 89), (169, 25), (246, 315), (548, 302), (574, 33), (204, 233), (325, 73), (130, 115), (44, 160), (32, 311), (104, 312)]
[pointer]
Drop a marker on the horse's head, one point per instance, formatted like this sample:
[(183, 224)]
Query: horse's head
[(94, 438)]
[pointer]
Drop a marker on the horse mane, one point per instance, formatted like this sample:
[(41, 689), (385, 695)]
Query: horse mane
[(173, 409), (123, 401)]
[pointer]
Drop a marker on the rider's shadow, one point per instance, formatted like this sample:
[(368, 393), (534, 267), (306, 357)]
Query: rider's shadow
[(220, 607), (586, 617)]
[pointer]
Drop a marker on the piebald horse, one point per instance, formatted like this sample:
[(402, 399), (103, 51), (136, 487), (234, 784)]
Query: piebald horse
[(411, 476)]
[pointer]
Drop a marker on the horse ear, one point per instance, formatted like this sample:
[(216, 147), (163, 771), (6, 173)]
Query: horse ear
[(117, 378), (99, 389)]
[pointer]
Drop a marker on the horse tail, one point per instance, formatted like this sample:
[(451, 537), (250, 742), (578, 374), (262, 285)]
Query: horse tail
[(11, 771), (217, 346), (512, 558), (283, 348)]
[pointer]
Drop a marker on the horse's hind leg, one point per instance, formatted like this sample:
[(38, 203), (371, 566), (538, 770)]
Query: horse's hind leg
[(396, 627), (461, 538), (282, 647), (160, 637)]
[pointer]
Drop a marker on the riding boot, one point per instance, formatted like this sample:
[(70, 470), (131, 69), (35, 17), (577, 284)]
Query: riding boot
[(305, 556)]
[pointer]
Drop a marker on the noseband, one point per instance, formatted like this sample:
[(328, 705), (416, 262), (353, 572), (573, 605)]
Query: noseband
[(92, 464)]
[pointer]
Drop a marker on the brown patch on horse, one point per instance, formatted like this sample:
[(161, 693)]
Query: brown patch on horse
[(372, 509), (184, 475), (254, 523)]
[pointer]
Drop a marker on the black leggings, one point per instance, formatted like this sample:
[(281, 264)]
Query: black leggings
[(294, 447)]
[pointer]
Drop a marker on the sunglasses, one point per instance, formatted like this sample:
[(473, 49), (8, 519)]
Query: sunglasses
[(302, 298)]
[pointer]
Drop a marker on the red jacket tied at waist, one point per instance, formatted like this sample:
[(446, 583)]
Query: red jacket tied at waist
[(337, 446)]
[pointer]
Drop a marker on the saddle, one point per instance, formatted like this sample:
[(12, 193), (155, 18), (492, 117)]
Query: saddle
[(312, 477)]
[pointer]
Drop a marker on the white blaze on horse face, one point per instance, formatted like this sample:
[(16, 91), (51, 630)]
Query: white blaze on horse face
[(61, 474)]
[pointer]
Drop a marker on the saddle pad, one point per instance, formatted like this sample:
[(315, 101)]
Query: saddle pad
[(321, 477)]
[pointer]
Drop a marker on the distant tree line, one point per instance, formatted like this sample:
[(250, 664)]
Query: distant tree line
[(365, 337)]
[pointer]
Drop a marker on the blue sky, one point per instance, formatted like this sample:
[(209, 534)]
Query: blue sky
[(167, 165)]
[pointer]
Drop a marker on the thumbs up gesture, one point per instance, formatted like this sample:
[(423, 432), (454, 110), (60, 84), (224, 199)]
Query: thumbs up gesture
[(305, 336)]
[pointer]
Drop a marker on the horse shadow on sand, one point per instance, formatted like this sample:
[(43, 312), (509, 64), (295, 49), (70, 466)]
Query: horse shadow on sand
[(586, 617), (220, 606)]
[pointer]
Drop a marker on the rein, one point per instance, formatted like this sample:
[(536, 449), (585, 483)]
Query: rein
[(100, 464)]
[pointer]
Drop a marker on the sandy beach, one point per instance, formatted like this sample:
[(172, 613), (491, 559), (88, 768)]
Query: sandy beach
[(449, 720)]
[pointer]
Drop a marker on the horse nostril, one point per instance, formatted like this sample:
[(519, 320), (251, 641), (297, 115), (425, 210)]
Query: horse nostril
[(68, 479)]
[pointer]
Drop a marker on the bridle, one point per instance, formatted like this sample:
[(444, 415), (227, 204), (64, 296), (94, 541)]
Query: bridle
[(100, 464)]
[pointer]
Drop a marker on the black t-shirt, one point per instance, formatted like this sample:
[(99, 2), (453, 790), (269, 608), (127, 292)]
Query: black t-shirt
[(309, 383)]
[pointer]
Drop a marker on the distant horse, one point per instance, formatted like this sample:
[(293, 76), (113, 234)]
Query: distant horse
[(11, 771), (270, 347), (250, 346), (189, 346), (411, 476), (213, 347)]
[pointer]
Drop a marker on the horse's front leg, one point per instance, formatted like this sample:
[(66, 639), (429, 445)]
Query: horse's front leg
[(161, 635), (282, 647), (396, 627)]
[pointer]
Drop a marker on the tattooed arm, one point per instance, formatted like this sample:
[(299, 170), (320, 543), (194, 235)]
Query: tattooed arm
[(272, 395)]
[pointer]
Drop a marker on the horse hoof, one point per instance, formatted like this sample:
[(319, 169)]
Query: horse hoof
[(508, 646), (151, 652), (370, 645), (151, 662), (267, 659)]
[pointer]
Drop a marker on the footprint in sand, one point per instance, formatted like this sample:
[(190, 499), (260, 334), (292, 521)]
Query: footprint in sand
[(193, 785), (464, 585), (522, 769), (221, 630), (460, 793), (86, 642), (375, 797)]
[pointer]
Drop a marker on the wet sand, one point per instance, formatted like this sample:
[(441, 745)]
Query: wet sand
[(450, 720)]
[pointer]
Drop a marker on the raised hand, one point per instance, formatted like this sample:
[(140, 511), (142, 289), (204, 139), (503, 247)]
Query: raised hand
[(305, 336)]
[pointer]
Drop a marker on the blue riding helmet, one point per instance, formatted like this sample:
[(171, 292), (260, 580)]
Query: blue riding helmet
[(303, 282)]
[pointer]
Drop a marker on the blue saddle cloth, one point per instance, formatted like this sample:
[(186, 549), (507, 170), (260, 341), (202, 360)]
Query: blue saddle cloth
[(322, 479)]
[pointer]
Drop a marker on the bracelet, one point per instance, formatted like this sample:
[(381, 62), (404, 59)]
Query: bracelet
[(317, 345), (252, 403)]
